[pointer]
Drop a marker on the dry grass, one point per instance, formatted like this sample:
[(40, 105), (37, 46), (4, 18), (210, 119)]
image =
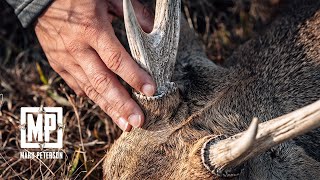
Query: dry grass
[(26, 79)]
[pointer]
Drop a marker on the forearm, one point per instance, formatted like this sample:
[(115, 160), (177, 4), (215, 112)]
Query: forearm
[(28, 10)]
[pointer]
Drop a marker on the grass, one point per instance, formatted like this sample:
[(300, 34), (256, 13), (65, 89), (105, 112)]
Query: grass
[(26, 79)]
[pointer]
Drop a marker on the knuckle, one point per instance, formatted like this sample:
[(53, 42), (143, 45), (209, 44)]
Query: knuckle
[(110, 111), (91, 93), (115, 61), (89, 27), (72, 85), (80, 93), (134, 80), (90, 32), (72, 48), (60, 71), (123, 107), (101, 82), (119, 105), (56, 67), (72, 67), (102, 44)]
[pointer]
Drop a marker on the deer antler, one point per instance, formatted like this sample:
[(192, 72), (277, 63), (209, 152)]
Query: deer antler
[(156, 52), (233, 151)]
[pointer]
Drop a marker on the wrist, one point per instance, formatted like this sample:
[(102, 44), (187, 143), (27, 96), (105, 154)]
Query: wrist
[(28, 11)]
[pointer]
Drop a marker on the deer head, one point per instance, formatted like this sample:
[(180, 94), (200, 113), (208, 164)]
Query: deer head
[(181, 140)]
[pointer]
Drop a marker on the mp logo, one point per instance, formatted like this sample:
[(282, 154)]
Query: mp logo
[(36, 125)]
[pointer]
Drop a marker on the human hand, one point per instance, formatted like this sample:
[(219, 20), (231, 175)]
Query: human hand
[(79, 42)]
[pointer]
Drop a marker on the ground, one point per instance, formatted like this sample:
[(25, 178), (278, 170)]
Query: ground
[(26, 79)]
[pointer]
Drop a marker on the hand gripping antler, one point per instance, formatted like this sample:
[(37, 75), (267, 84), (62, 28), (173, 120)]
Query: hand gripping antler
[(218, 155), (155, 52)]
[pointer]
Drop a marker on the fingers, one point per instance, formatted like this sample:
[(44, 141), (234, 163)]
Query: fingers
[(72, 83), (66, 66), (114, 105), (120, 62), (67, 77), (115, 56), (143, 13), (105, 106), (81, 85), (76, 45), (100, 84)]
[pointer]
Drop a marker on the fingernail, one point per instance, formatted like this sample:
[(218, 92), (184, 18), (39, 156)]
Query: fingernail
[(148, 90), (135, 120), (123, 124)]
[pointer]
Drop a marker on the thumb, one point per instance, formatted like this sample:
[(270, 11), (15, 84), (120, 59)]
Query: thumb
[(144, 14)]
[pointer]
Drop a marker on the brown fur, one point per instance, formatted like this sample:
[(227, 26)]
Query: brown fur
[(271, 75)]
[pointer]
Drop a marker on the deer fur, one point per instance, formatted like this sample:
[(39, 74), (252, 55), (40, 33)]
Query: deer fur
[(271, 75)]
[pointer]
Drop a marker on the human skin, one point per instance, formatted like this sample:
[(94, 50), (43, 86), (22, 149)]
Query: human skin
[(79, 42)]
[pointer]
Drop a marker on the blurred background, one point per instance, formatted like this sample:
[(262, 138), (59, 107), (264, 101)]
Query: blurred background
[(26, 79)]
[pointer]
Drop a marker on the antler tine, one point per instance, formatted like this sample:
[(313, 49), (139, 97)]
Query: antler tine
[(235, 150), (231, 150), (134, 32), (156, 52)]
